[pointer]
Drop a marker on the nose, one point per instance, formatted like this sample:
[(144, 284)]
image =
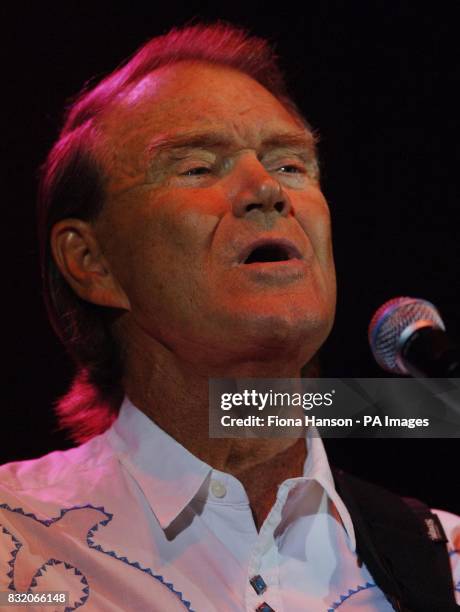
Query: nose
[(257, 189)]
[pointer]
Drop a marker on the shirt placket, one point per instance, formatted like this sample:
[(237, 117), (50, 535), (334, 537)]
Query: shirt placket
[(263, 579)]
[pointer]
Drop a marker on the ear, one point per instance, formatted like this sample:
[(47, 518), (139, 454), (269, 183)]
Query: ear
[(78, 256)]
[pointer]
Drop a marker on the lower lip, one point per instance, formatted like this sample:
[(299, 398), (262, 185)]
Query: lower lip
[(284, 270)]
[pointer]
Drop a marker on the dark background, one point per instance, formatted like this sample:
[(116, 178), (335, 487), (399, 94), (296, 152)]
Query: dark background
[(377, 79)]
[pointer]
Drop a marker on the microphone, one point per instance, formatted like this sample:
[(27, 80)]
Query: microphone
[(407, 336)]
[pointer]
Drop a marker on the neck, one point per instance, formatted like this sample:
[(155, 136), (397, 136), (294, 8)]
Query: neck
[(175, 397)]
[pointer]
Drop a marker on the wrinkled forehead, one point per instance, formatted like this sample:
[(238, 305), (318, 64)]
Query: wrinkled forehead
[(195, 95)]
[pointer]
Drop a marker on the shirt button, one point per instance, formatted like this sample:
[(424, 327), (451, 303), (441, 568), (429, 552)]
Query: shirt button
[(264, 607), (258, 584), (218, 489)]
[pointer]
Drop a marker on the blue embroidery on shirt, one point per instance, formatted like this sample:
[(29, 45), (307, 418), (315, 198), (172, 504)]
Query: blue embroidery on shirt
[(68, 566), (369, 585), (13, 553), (351, 592), (50, 562), (48, 522)]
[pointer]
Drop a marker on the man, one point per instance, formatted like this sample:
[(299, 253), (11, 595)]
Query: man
[(185, 236)]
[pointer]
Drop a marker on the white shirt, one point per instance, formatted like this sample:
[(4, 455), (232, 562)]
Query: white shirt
[(132, 521)]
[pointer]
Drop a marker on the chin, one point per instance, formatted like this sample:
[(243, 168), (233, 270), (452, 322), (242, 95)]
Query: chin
[(262, 336), (290, 336)]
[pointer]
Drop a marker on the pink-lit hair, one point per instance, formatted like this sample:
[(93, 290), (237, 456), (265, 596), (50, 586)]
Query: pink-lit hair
[(72, 185)]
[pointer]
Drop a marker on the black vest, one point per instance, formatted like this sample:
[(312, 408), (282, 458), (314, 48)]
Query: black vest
[(402, 544)]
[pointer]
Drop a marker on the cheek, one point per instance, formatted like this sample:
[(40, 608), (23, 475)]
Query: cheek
[(315, 220), (181, 239), (156, 244), (190, 230)]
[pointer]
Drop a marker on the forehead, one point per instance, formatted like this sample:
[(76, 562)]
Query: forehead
[(195, 95)]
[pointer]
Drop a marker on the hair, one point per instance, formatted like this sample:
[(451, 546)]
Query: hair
[(72, 185)]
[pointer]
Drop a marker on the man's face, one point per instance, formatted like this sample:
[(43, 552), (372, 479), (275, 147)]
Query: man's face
[(214, 223)]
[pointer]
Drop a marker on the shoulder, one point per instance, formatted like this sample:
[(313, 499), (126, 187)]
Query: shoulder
[(55, 467), (42, 491)]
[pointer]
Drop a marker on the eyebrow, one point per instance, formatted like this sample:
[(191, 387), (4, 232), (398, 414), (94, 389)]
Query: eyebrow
[(215, 139)]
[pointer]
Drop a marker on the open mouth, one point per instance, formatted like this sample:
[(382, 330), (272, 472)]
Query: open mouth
[(269, 252)]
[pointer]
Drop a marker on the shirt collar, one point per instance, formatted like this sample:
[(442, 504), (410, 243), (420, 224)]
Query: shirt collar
[(170, 476), (317, 468)]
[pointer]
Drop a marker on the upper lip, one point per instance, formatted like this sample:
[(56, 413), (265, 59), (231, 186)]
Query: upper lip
[(283, 244)]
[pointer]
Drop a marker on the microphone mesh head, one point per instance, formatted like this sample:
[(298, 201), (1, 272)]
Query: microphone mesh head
[(389, 323)]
